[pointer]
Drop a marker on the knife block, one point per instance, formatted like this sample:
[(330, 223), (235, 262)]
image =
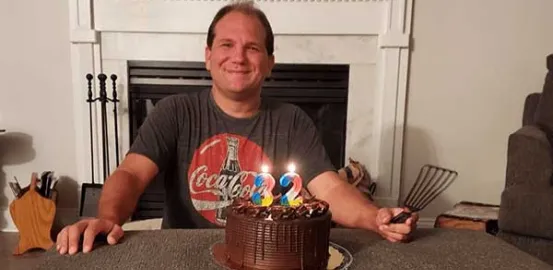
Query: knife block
[(33, 215)]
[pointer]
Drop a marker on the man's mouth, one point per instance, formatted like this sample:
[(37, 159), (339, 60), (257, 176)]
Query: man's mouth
[(238, 71)]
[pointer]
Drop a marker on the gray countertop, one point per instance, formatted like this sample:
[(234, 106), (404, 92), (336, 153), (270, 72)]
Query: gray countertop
[(190, 249)]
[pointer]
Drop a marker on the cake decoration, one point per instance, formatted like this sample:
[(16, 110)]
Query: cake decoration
[(264, 178), (310, 208), (291, 177)]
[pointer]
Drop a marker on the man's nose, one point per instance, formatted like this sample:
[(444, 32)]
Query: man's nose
[(239, 54)]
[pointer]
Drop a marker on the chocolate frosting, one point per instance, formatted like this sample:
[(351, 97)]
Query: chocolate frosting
[(276, 236), (310, 208)]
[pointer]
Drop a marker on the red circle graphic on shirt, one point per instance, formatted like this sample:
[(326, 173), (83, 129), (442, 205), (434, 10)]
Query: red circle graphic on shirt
[(223, 168)]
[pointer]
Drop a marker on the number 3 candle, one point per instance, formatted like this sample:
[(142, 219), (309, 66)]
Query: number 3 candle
[(291, 197), (264, 178)]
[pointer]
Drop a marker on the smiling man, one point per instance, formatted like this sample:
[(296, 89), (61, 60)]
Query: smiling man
[(211, 144)]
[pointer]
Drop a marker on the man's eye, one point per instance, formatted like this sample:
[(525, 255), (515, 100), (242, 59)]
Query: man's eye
[(254, 49), (226, 44)]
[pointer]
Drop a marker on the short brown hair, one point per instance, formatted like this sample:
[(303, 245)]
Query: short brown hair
[(247, 8)]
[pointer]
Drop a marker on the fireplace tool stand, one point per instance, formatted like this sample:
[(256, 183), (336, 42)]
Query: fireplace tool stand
[(90, 192)]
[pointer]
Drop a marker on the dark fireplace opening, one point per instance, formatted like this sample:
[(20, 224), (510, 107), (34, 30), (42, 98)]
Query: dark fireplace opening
[(321, 90)]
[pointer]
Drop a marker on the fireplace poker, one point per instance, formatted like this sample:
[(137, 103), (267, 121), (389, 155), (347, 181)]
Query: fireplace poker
[(115, 100), (89, 78), (105, 141)]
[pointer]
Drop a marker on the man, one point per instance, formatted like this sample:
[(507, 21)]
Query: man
[(209, 143)]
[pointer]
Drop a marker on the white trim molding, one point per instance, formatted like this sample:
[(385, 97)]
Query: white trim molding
[(84, 36), (373, 36), (393, 40), (287, 18)]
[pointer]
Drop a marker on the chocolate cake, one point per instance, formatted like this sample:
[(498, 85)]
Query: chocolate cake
[(277, 237)]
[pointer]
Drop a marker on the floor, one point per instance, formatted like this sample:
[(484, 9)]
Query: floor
[(8, 242)]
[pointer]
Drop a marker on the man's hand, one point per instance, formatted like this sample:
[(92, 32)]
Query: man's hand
[(69, 237), (400, 232)]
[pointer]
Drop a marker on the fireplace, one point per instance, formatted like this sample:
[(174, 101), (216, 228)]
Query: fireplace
[(368, 40), (321, 90)]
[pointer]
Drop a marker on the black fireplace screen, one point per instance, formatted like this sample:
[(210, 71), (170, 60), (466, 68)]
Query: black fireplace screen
[(321, 90)]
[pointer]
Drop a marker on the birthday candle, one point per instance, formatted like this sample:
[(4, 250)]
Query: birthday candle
[(291, 198), (264, 177)]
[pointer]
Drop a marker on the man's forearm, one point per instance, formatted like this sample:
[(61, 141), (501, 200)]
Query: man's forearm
[(348, 206), (119, 197)]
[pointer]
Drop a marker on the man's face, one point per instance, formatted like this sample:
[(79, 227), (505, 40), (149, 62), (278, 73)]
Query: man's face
[(238, 59)]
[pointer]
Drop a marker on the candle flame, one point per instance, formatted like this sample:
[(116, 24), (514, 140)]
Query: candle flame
[(291, 167), (265, 168)]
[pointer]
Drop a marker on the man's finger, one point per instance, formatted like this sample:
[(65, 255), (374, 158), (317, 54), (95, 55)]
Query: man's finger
[(399, 228), (74, 235), (396, 211), (394, 235), (415, 217), (90, 233), (397, 231), (115, 234), (391, 239), (62, 241), (384, 215)]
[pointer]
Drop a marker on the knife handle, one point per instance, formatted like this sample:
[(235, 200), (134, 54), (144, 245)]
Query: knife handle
[(400, 218)]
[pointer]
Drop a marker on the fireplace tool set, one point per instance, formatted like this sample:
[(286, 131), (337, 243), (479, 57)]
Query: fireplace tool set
[(431, 182), (90, 192)]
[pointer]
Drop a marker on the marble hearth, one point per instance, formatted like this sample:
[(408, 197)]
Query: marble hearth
[(372, 36)]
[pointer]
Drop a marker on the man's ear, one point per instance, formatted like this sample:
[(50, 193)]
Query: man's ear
[(207, 58)]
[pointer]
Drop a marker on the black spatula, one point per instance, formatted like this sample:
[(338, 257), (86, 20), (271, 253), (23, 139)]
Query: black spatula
[(431, 182)]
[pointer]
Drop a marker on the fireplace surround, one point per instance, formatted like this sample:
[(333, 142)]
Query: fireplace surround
[(370, 37)]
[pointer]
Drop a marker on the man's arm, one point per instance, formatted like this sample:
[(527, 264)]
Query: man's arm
[(348, 206), (124, 186), (151, 150), (351, 209)]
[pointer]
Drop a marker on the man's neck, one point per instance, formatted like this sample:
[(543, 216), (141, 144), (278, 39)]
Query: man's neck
[(237, 108)]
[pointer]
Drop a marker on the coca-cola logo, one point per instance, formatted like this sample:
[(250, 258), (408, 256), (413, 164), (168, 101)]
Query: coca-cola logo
[(223, 168)]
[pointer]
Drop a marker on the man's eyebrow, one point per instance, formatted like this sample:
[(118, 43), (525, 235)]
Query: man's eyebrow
[(224, 40), (253, 43), (249, 43)]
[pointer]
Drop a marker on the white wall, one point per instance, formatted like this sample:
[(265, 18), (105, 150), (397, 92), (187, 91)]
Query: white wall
[(35, 94), (473, 63)]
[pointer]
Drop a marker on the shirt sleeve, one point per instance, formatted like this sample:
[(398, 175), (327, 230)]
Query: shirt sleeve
[(157, 136), (307, 149)]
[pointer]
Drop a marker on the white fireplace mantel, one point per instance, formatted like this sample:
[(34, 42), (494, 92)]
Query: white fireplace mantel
[(373, 36)]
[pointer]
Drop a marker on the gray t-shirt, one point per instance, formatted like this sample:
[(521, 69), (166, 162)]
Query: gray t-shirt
[(210, 158)]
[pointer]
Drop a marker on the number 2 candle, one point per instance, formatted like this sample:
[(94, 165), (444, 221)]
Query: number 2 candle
[(291, 198)]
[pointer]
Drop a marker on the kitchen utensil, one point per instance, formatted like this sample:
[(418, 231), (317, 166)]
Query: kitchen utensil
[(431, 182), (46, 181), (18, 186), (53, 187), (16, 192)]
